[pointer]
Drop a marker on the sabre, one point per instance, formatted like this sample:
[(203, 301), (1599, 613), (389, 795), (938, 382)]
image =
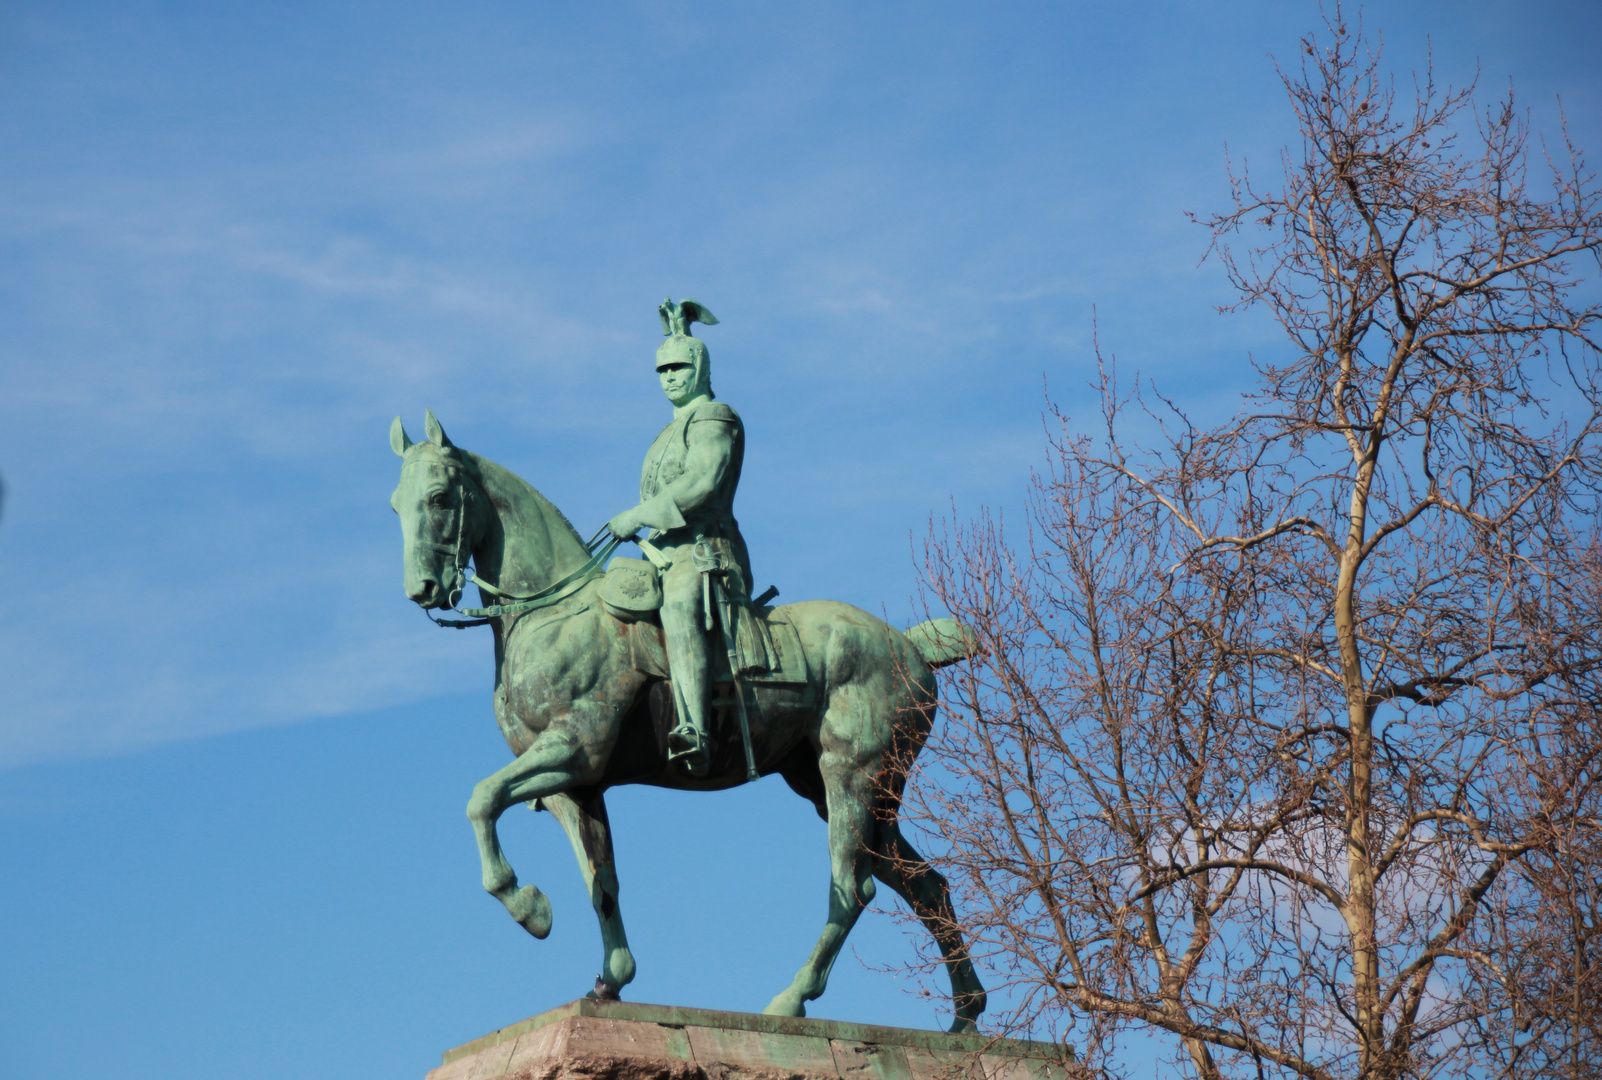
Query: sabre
[(710, 563), (725, 609)]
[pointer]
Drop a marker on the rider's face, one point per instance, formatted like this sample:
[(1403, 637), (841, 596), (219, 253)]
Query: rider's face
[(678, 381)]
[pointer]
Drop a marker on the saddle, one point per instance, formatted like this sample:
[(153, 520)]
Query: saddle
[(767, 653), (767, 647)]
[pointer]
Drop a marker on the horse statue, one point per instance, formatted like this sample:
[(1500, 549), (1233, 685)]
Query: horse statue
[(579, 697)]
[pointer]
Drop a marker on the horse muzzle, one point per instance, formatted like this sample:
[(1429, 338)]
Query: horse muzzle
[(426, 593)]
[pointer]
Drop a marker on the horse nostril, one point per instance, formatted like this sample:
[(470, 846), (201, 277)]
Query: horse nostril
[(423, 590)]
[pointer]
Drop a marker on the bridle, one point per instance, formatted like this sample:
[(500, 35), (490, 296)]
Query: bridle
[(600, 548)]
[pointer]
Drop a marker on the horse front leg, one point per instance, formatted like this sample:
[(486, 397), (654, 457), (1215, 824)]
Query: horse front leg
[(583, 816), (549, 766)]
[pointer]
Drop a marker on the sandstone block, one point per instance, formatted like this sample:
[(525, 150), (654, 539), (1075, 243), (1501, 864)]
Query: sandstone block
[(616, 1040)]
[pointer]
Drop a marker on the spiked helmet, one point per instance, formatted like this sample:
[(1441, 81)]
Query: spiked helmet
[(680, 347)]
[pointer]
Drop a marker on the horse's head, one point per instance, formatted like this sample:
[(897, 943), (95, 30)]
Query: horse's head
[(441, 507)]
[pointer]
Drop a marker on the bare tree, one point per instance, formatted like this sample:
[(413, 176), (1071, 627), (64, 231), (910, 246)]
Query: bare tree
[(1284, 734)]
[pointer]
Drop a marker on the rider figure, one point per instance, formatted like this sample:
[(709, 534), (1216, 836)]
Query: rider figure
[(687, 496)]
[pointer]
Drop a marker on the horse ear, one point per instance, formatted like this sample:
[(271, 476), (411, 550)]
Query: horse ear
[(399, 441), (436, 434)]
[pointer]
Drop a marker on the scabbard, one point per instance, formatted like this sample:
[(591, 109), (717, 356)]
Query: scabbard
[(726, 619)]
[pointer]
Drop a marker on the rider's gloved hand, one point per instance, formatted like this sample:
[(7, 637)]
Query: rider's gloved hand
[(625, 525)]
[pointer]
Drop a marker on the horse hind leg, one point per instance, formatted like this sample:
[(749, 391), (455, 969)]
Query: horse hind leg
[(898, 864), (849, 797), (583, 817)]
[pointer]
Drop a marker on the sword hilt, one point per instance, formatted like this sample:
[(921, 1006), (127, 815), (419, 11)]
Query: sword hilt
[(709, 563)]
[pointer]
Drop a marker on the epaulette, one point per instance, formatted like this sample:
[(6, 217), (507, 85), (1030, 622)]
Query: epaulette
[(715, 410)]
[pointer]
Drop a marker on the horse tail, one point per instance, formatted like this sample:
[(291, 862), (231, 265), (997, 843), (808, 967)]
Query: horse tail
[(943, 641)]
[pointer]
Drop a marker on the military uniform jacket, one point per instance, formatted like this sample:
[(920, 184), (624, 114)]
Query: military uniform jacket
[(688, 482)]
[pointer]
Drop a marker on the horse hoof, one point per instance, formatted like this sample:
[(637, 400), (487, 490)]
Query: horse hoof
[(963, 1026), (532, 910)]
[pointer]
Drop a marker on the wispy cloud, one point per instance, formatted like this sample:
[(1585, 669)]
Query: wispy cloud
[(219, 291)]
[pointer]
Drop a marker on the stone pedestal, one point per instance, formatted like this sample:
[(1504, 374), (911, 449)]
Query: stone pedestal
[(623, 1040)]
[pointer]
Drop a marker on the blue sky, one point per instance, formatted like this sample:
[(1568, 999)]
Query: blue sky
[(235, 240)]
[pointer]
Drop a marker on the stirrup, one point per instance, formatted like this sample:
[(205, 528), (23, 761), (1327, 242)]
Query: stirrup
[(686, 744)]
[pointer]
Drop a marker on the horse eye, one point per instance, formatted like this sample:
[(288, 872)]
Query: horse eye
[(439, 498)]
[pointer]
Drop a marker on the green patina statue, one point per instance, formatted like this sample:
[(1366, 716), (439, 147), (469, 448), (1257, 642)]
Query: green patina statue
[(664, 671), (687, 501)]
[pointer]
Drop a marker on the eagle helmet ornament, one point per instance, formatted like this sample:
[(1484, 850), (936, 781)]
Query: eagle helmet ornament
[(680, 347)]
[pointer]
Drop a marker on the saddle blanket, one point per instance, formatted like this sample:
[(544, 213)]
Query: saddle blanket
[(786, 662)]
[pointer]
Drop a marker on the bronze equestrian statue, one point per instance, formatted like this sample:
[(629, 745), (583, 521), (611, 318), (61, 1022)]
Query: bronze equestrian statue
[(607, 671)]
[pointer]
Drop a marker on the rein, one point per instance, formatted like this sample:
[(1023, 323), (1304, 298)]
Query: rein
[(600, 546)]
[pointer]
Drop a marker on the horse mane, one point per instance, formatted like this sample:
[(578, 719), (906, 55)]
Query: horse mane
[(481, 466)]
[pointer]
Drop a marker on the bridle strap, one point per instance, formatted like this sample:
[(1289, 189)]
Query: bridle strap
[(601, 546), (459, 557)]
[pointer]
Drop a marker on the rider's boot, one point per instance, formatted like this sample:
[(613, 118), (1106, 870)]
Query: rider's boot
[(690, 742)]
